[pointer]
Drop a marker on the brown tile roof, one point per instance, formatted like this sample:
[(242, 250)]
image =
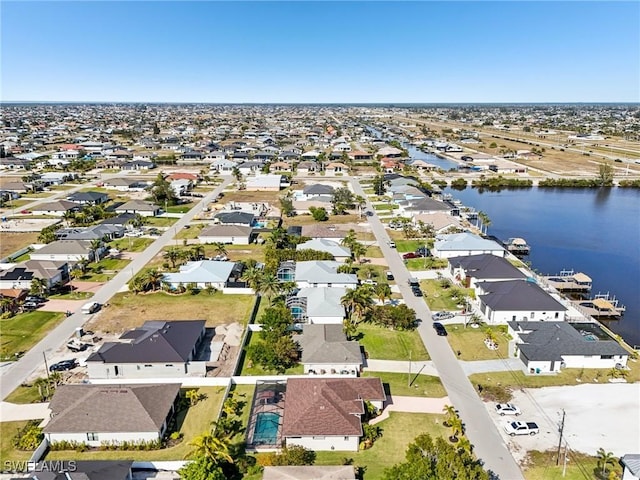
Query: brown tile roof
[(110, 408), (328, 406)]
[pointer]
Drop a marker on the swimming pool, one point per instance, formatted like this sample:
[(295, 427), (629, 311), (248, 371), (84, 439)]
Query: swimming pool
[(266, 431)]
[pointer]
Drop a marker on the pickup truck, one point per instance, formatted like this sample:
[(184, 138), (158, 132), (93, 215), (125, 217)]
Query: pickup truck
[(521, 428)]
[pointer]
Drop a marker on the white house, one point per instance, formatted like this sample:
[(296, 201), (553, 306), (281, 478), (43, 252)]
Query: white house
[(546, 347), (233, 234), (142, 208), (321, 305), (97, 414), (459, 244), (630, 466), (65, 251), (323, 273), (157, 349), (325, 350), (340, 253), (326, 414), (471, 269)]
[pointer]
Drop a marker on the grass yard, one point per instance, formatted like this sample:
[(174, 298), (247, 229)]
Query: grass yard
[(8, 453), (127, 310), (197, 420), (248, 368), (308, 220), (245, 196), (131, 244), (470, 342), (11, 242), (404, 246), (399, 430), (374, 252), (192, 232), (384, 344), (429, 263), (439, 298), (24, 330), (240, 252), (25, 393), (243, 393), (159, 221), (374, 272), (74, 295), (182, 208), (385, 207), (542, 466), (421, 385)]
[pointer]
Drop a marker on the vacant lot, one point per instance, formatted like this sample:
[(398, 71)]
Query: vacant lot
[(23, 331), (13, 241), (439, 298), (384, 344), (409, 386), (127, 310), (244, 196), (333, 219), (192, 422), (470, 342)]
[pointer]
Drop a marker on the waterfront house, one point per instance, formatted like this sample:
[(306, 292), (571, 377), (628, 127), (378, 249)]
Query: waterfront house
[(441, 222), (326, 414), (517, 300), (325, 350), (96, 414), (548, 347), (157, 349), (471, 269), (459, 244)]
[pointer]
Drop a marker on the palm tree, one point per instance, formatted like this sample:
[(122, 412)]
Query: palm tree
[(349, 239), (237, 174), (82, 265), (360, 202), (196, 252), (486, 221), (358, 250), (253, 276), (220, 249), (269, 286), (38, 286), (6, 304), (357, 303), (450, 412), (69, 217), (604, 459), (464, 445), (153, 278), (173, 255), (455, 423), (208, 446), (278, 237), (383, 292), (96, 244), (136, 284)]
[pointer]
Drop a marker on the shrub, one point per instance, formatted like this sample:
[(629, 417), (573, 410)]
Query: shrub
[(29, 437)]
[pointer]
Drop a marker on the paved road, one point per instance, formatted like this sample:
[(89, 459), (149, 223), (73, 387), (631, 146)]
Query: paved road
[(488, 444), (14, 375)]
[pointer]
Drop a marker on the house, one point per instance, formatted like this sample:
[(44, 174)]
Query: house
[(142, 208), (231, 234), (82, 470), (336, 168), (424, 205), (65, 251), (222, 165), (471, 269), (319, 305), (97, 414), (88, 198), (390, 152), (56, 208), (326, 414), (21, 275), (313, 191), (325, 349), (308, 167), (310, 472), (125, 184), (248, 167), (235, 218), (264, 183), (323, 273), (138, 165), (340, 253), (630, 466), (158, 349), (546, 347), (514, 300), (203, 274), (458, 244), (326, 232), (95, 232), (441, 222)]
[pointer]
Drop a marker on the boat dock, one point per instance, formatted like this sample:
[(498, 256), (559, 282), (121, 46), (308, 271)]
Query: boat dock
[(602, 306), (568, 281), (517, 246)]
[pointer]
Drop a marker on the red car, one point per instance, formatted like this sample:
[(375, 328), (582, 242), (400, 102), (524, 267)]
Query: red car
[(409, 255), (24, 212)]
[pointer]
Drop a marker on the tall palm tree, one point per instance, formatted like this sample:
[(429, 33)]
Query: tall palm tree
[(69, 217), (208, 446), (358, 250), (604, 459), (450, 412), (173, 255), (360, 202), (153, 279), (349, 239), (269, 286), (357, 303), (6, 304), (38, 286), (383, 292), (220, 249), (196, 252), (457, 428), (96, 244), (253, 276)]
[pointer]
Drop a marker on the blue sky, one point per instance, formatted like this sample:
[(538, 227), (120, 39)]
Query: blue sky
[(303, 52)]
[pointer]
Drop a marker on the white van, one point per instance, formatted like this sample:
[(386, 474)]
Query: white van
[(90, 307)]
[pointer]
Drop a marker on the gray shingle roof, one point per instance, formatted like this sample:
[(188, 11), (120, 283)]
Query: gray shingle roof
[(243, 218), (486, 266), (327, 344), (84, 470), (226, 231), (518, 295), (155, 341), (110, 408), (632, 463)]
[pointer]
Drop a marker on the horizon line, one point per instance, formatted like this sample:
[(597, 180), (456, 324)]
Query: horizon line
[(153, 102)]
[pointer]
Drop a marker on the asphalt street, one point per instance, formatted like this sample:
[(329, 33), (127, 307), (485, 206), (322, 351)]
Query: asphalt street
[(479, 428), (14, 375)]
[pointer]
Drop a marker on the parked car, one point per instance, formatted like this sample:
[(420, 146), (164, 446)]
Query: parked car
[(64, 365), (90, 307), (507, 409), (409, 255), (392, 244), (24, 212), (417, 292), (368, 281), (30, 306), (442, 315), (389, 275), (35, 299), (521, 428), (369, 213), (422, 251), (440, 330)]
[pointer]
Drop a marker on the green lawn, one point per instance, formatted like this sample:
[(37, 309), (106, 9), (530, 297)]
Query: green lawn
[(542, 466), (196, 421), (74, 295), (374, 272), (131, 244), (470, 342), (374, 252), (439, 298), (399, 430), (428, 263), (24, 394), (404, 246), (23, 331), (384, 344), (7, 451), (248, 368), (160, 221), (243, 393), (421, 385), (385, 207), (192, 232), (183, 208)]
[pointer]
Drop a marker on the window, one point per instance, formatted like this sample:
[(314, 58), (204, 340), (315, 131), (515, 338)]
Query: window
[(606, 357), (318, 438), (148, 366), (533, 314), (92, 437), (346, 439), (168, 365), (557, 314)]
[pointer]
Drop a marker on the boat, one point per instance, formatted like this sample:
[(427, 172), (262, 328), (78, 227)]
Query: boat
[(518, 246)]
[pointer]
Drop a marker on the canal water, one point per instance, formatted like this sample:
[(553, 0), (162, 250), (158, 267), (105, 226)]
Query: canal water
[(592, 231)]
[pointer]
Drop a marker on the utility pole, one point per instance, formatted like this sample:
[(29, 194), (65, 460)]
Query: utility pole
[(564, 467), (561, 429), (46, 367)]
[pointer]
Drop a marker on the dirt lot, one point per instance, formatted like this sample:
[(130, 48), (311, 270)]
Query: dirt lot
[(606, 416), (13, 241)]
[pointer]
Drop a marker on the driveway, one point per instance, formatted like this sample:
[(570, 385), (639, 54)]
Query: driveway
[(397, 403), (596, 416), (54, 305), (12, 412)]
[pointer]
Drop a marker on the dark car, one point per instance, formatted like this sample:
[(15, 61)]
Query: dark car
[(422, 251), (409, 255), (440, 330), (35, 299), (30, 305), (369, 213), (417, 291), (63, 365)]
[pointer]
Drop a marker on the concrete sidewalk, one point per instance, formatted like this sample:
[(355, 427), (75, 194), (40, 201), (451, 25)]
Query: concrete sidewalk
[(397, 403), (12, 412), (485, 366), (400, 366)]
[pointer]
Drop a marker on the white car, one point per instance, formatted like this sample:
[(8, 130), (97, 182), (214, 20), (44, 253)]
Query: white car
[(507, 409), (369, 282), (521, 428)]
